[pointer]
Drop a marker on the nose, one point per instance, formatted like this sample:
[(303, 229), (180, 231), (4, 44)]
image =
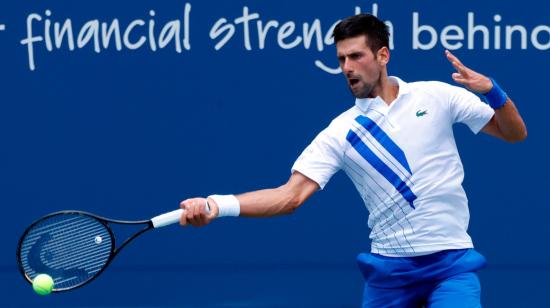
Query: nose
[(346, 66)]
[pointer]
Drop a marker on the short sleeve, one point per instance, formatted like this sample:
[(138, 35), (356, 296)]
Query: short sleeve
[(468, 109), (321, 159)]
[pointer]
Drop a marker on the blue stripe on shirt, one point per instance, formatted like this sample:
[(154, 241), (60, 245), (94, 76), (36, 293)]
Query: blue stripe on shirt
[(384, 140), (381, 167)]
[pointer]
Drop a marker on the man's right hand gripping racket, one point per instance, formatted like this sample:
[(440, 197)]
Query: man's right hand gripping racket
[(74, 247)]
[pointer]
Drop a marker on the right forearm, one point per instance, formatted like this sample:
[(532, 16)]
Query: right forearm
[(261, 203), (278, 201), (268, 202)]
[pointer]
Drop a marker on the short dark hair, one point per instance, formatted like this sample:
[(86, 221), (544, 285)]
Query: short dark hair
[(363, 24)]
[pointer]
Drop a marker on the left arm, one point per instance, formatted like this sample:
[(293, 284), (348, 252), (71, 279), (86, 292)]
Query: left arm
[(507, 123)]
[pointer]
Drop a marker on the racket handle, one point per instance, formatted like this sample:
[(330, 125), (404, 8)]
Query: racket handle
[(171, 217), (166, 218)]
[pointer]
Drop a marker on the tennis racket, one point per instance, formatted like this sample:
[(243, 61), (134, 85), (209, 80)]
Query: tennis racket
[(74, 247)]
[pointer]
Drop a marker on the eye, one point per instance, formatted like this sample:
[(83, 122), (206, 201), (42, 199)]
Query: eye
[(355, 56)]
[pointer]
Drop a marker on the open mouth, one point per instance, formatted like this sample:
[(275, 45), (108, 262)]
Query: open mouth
[(353, 81)]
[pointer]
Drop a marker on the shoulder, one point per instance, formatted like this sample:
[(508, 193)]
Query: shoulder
[(342, 121), (441, 93), (338, 128), (346, 116), (438, 88), (433, 87)]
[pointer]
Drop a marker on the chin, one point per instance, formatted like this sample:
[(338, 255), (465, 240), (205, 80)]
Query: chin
[(364, 93)]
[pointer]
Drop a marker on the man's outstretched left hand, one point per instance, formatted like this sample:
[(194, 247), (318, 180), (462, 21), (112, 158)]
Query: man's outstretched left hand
[(469, 78)]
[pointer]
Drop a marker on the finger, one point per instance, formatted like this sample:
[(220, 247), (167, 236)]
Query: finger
[(202, 210), (183, 219), (457, 64), (190, 209), (451, 57), (203, 217), (197, 216), (195, 221), (463, 70), (459, 78), (460, 67)]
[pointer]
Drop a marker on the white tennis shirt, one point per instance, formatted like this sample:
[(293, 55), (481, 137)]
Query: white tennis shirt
[(404, 163)]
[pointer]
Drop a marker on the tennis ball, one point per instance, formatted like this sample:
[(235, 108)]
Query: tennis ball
[(42, 284)]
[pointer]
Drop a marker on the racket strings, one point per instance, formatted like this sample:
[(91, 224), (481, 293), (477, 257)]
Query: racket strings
[(72, 248)]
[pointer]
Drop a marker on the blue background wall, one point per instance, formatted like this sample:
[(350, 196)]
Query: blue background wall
[(129, 134)]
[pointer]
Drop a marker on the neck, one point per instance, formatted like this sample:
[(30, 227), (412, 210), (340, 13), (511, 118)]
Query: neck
[(386, 89)]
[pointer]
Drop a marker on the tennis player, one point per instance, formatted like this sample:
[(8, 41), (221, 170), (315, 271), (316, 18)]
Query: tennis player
[(397, 146)]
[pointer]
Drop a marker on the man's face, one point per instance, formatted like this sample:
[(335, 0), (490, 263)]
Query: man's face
[(361, 67)]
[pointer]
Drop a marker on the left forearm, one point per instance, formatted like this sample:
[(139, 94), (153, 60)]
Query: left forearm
[(510, 123)]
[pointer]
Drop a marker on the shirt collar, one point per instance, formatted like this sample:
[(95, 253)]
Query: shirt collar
[(366, 103)]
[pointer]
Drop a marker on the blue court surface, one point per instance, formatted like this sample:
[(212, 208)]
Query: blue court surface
[(255, 286)]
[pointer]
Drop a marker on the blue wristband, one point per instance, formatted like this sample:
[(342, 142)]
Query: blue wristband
[(496, 97)]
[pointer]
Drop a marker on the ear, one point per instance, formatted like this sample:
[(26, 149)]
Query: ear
[(383, 56)]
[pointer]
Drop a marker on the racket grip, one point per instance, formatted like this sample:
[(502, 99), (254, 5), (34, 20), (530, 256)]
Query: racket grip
[(166, 218)]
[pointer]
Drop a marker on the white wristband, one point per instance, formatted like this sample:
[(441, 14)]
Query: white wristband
[(228, 205)]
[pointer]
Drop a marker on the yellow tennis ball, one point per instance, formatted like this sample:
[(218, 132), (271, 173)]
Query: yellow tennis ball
[(42, 284)]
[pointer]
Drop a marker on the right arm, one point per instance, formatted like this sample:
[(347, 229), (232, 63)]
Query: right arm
[(261, 203), (277, 201)]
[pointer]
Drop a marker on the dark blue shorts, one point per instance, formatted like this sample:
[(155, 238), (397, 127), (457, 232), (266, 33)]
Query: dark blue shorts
[(443, 279)]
